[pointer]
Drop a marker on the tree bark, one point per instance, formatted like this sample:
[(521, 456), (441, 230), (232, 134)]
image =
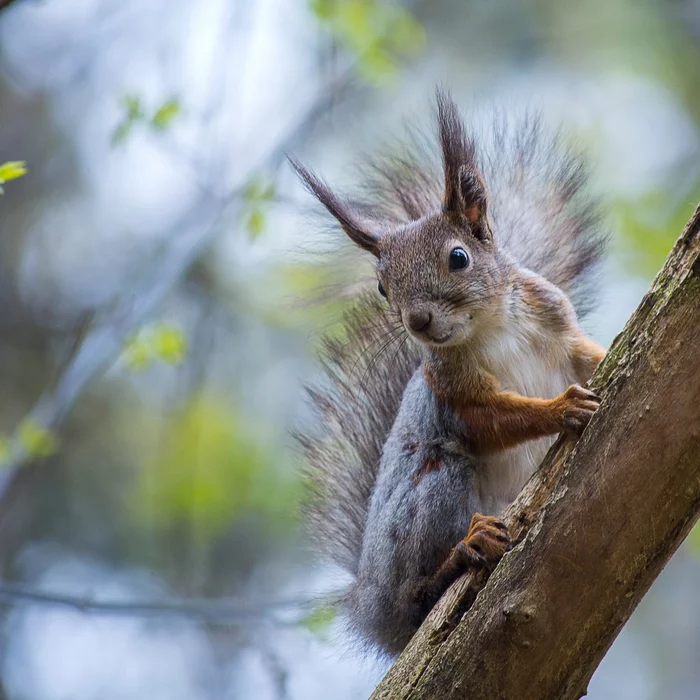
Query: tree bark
[(595, 525)]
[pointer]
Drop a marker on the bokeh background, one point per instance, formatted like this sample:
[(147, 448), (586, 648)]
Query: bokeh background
[(153, 343)]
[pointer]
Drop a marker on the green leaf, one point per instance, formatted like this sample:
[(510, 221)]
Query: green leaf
[(120, 133), (319, 620), (134, 114), (12, 169), (36, 439), (169, 344), (377, 64), (165, 114), (134, 110), (137, 354), (255, 224), (257, 189), (163, 342), (377, 32)]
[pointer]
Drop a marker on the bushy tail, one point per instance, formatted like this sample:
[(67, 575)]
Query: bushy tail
[(540, 207), (539, 204), (539, 211), (365, 376)]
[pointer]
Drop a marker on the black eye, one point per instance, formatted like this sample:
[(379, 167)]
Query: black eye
[(459, 259), (381, 290)]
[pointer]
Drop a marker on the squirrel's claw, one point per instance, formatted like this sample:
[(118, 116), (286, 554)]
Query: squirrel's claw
[(486, 542), (577, 408)]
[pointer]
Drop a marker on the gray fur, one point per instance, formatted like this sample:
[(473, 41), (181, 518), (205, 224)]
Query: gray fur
[(413, 522)]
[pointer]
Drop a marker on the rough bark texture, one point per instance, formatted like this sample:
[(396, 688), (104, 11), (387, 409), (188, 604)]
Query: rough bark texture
[(595, 525)]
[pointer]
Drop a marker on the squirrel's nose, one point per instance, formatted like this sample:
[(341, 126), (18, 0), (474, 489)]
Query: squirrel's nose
[(419, 321)]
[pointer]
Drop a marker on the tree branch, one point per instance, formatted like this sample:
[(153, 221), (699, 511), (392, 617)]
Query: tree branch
[(595, 524)]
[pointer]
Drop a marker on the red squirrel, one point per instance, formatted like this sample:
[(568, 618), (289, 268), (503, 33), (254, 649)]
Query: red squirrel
[(482, 266)]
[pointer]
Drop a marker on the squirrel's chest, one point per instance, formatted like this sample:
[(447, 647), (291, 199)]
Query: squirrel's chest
[(529, 368), (524, 363)]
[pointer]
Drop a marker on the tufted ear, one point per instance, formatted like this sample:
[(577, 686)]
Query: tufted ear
[(357, 230), (473, 202), (465, 192)]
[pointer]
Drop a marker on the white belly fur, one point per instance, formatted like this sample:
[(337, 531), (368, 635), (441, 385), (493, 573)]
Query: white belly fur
[(524, 365)]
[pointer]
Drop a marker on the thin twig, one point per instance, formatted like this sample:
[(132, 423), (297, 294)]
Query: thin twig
[(222, 612)]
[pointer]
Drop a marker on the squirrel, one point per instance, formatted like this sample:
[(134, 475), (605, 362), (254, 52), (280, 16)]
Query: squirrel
[(484, 266)]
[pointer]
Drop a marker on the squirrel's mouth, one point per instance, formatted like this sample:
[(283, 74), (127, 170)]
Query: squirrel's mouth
[(430, 340)]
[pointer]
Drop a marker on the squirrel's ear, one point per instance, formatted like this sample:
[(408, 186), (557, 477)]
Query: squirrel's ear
[(473, 202), (356, 229), (465, 193)]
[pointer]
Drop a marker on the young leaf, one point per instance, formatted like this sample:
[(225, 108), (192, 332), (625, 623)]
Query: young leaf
[(169, 344), (137, 354), (255, 224), (36, 439), (165, 114), (12, 169), (319, 620)]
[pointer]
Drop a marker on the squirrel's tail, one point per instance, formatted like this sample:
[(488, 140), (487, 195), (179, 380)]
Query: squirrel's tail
[(539, 204), (366, 373), (540, 207)]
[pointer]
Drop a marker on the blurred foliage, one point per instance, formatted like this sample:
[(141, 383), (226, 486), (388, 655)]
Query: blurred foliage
[(30, 436), (376, 31), (319, 620), (37, 440), (158, 342), (134, 113), (314, 299), (213, 468), (11, 170), (258, 195), (648, 227), (640, 36), (165, 114)]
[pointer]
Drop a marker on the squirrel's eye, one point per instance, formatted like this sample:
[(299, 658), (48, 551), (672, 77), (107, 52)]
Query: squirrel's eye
[(459, 259), (381, 289)]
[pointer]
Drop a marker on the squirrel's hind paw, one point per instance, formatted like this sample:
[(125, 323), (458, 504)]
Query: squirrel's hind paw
[(486, 542)]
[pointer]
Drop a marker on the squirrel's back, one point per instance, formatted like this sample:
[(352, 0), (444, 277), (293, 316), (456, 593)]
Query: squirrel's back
[(540, 213)]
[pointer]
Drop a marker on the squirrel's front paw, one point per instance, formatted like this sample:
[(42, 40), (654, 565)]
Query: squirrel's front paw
[(577, 406), (486, 542)]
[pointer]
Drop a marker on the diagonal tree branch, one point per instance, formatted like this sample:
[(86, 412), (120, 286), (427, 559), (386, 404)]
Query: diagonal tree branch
[(595, 525)]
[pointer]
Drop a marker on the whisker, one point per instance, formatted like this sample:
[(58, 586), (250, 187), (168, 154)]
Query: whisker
[(373, 344), (372, 363)]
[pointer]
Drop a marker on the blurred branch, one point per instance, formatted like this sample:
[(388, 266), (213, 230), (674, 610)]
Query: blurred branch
[(279, 675), (104, 342), (216, 612)]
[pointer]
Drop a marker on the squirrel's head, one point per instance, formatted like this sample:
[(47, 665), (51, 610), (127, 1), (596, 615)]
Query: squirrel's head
[(440, 272)]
